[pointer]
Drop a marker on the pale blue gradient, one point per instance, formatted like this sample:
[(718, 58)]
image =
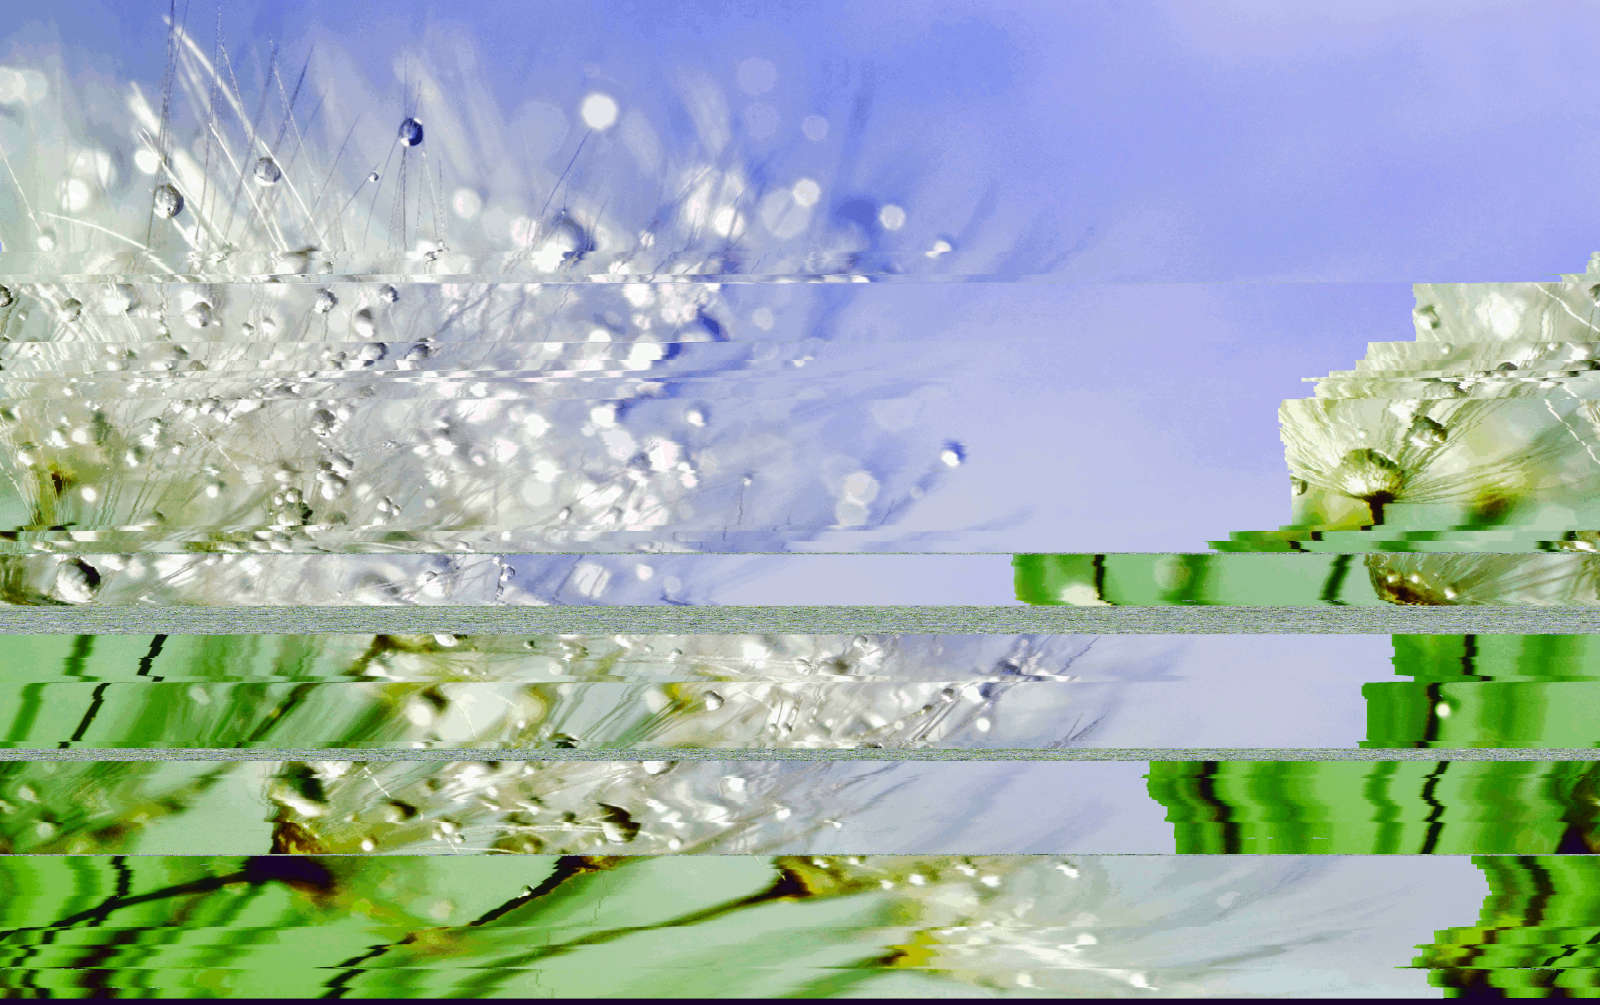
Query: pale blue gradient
[(1305, 164)]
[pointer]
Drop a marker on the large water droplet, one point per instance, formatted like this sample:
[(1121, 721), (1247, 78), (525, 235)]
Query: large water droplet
[(396, 811), (267, 172), (324, 422), (324, 302), (1426, 433), (199, 314), (616, 825), (168, 202), (410, 133), (6, 297), (76, 582), (1370, 476)]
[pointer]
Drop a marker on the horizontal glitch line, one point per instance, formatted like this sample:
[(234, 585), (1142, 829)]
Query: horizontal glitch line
[(625, 754), (10, 271), (92, 619)]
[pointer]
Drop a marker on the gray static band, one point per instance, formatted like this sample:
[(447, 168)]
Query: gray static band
[(815, 620)]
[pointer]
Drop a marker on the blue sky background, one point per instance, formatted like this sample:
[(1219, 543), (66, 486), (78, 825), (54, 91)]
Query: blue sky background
[(1225, 197)]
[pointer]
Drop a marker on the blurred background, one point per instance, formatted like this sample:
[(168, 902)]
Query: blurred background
[(1177, 210)]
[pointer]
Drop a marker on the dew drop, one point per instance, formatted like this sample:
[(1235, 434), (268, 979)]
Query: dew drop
[(199, 314), (324, 422), (76, 582), (410, 133), (168, 202), (952, 455), (267, 172), (396, 811), (1365, 473), (616, 825), (324, 302), (363, 324), (598, 111), (6, 297), (388, 294), (1426, 433)]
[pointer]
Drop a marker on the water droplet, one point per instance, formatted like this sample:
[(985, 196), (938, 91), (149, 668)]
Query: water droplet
[(616, 825), (1426, 433), (267, 172), (1367, 474), (199, 314), (388, 294), (598, 111), (363, 323), (168, 202), (324, 422), (324, 302), (410, 133), (6, 297), (1426, 317), (1298, 486), (76, 582), (71, 308), (372, 177), (713, 701), (952, 455), (74, 194), (396, 811)]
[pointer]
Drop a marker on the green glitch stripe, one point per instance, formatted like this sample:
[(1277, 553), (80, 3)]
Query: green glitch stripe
[(1536, 934), (1482, 657), (1237, 755), (472, 926), (1447, 807), (804, 620), (1145, 579), (713, 926), (1483, 714), (1488, 690)]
